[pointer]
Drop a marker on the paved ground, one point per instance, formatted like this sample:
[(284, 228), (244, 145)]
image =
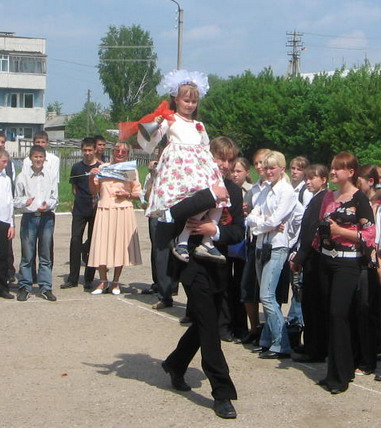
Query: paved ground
[(94, 361)]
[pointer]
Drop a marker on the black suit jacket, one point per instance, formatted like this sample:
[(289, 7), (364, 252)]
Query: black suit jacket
[(309, 227), (231, 233)]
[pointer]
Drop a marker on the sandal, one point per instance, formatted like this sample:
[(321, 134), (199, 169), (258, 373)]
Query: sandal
[(181, 252)]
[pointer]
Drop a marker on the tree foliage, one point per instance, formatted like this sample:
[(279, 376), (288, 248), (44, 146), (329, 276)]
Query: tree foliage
[(127, 69), (92, 114), (55, 106), (297, 116)]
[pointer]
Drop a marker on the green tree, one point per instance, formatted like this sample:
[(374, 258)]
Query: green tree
[(55, 106), (127, 68), (94, 115)]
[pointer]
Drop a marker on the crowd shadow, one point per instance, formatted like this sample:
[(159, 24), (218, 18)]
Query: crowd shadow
[(144, 368)]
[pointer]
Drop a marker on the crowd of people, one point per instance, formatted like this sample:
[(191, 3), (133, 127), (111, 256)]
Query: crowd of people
[(232, 244)]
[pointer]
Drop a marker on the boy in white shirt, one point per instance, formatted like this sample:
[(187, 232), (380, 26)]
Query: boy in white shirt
[(37, 197), (7, 230)]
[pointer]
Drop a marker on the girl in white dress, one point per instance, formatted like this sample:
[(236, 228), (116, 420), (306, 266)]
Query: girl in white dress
[(186, 164)]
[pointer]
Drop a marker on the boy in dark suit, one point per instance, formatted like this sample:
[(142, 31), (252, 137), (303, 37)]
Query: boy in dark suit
[(205, 281)]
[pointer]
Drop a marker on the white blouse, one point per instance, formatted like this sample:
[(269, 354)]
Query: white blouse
[(273, 207)]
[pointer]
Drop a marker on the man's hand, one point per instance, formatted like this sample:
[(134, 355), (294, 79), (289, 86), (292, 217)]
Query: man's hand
[(221, 193), (11, 233), (43, 207), (29, 201), (201, 227)]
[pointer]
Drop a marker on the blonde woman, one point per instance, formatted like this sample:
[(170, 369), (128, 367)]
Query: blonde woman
[(268, 220), (115, 241)]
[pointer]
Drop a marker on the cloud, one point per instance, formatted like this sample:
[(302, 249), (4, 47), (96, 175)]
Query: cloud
[(207, 32)]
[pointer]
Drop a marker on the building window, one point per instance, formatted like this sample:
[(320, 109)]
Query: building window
[(27, 64), (4, 63), (21, 132), (19, 100)]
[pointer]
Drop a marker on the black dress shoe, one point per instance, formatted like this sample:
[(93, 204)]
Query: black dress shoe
[(227, 337), (68, 285), (250, 337), (257, 349), (378, 377), (177, 381), (5, 294), (224, 409), (270, 355)]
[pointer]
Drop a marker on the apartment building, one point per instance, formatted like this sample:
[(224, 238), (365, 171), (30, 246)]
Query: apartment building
[(22, 85)]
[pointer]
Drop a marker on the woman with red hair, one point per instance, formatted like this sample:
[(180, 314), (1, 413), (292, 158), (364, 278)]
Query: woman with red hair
[(346, 239)]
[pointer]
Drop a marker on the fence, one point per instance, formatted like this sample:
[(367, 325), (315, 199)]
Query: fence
[(68, 157)]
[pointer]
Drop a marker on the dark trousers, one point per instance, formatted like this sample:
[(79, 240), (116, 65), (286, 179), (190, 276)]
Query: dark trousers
[(11, 261), (4, 252), (152, 224), (367, 320), (233, 317), (339, 280), (204, 307), (314, 310), (78, 225), (164, 261)]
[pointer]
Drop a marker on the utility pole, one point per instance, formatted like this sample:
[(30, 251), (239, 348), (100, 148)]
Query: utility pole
[(180, 24), (295, 42), (88, 113)]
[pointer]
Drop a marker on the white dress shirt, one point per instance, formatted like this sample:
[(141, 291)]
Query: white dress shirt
[(51, 164), (6, 199), (273, 207), (42, 186), (307, 195)]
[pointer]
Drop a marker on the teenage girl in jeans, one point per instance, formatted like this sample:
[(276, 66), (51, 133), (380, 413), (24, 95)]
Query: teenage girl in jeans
[(346, 242), (268, 219)]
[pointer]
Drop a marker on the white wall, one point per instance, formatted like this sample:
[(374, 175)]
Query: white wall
[(22, 115)]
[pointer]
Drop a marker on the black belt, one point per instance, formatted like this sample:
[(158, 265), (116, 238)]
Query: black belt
[(40, 213)]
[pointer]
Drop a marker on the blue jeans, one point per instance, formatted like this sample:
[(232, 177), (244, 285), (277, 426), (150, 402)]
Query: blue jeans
[(274, 334), (36, 232)]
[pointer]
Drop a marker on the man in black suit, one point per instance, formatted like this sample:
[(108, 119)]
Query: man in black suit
[(205, 281)]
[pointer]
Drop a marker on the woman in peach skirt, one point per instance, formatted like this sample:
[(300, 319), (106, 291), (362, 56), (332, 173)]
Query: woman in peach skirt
[(115, 241)]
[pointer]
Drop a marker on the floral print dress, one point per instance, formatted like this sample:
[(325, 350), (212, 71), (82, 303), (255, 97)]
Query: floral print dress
[(185, 166)]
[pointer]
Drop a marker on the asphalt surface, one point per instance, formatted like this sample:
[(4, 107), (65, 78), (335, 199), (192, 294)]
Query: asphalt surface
[(94, 361)]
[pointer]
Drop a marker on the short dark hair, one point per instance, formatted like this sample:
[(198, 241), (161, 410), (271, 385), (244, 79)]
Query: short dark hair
[(2, 134), (37, 149), (41, 134), (88, 141), (99, 138)]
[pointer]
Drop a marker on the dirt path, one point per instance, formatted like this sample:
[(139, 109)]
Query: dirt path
[(94, 361)]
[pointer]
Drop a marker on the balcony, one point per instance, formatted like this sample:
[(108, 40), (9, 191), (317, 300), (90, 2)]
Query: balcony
[(22, 115), (23, 81)]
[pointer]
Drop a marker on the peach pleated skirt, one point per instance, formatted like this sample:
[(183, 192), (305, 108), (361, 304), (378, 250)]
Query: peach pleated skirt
[(115, 240)]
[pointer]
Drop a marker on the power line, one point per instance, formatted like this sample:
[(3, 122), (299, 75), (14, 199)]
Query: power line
[(342, 37)]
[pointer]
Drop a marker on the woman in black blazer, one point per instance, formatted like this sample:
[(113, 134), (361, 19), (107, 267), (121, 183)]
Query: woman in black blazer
[(307, 259)]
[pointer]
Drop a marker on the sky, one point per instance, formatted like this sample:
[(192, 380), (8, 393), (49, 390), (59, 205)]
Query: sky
[(223, 37)]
